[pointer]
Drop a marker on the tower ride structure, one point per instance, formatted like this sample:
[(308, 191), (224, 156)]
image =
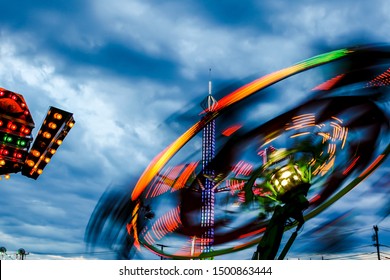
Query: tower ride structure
[(208, 184)]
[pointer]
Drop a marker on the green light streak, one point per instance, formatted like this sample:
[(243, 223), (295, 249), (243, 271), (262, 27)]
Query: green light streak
[(324, 58)]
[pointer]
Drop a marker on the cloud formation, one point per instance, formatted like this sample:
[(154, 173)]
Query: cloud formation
[(123, 68)]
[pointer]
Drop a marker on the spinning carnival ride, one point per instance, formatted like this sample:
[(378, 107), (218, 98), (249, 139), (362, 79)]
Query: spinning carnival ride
[(275, 166)]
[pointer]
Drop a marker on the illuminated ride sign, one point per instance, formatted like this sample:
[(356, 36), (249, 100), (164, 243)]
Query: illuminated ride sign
[(16, 125)]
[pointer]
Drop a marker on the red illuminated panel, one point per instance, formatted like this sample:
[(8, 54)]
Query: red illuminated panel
[(380, 80), (167, 223), (230, 130), (16, 125), (14, 107), (242, 168), (235, 185), (330, 83), (165, 182)]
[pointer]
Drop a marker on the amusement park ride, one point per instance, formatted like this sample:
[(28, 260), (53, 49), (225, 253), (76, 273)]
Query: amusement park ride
[(19, 152), (265, 177), (292, 190)]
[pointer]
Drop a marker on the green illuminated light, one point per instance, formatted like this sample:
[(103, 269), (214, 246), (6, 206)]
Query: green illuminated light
[(326, 57), (21, 143)]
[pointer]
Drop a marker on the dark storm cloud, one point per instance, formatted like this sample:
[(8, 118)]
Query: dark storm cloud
[(70, 35), (24, 14), (251, 14), (119, 60)]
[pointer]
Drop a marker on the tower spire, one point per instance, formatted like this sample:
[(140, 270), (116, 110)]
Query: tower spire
[(210, 82), (209, 103)]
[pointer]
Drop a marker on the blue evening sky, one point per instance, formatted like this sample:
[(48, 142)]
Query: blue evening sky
[(123, 67)]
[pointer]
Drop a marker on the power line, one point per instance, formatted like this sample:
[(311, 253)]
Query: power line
[(350, 256), (385, 253), (342, 234), (74, 253)]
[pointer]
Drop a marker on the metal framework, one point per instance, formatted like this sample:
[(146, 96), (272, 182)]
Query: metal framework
[(208, 190)]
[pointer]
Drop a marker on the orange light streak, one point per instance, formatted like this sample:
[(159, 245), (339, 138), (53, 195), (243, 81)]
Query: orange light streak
[(299, 134), (133, 226), (331, 149), (337, 119), (325, 136), (372, 165), (181, 181), (344, 137), (302, 121), (299, 126), (161, 159), (309, 115)]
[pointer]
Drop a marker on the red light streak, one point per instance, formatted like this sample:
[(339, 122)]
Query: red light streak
[(243, 168), (252, 233), (330, 83), (380, 80), (167, 223), (235, 185), (230, 130), (346, 171), (371, 166), (165, 183), (181, 181), (314, 198), (149, 239)]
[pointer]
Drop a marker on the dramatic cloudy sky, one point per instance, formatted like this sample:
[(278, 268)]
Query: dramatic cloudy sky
[(123, 67)]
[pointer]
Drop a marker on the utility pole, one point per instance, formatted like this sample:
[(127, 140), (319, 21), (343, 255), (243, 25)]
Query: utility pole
[(376, 239), (162, 249)]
